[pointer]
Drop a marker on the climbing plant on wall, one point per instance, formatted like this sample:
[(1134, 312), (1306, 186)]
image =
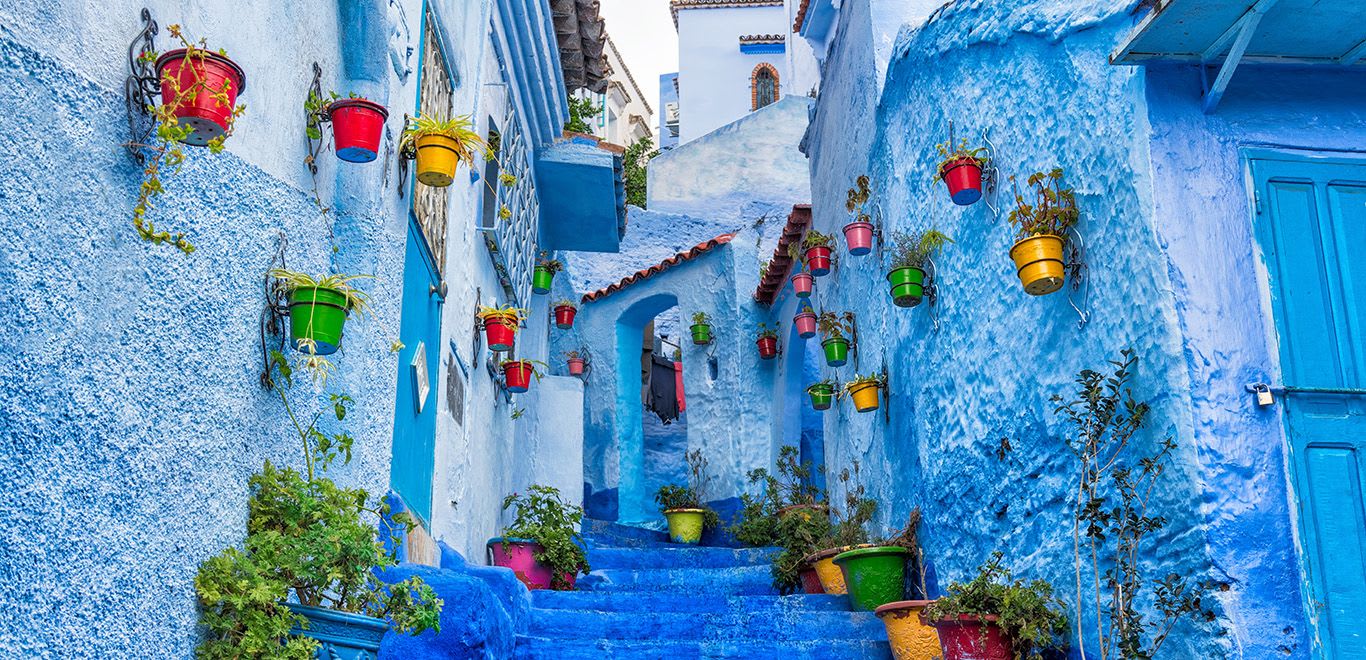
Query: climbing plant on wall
[(637, 162)]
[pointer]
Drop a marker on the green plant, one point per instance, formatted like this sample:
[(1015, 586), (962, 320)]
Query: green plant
[(1111, 517), (167, 150), (832, 325), (701, 318), (309, 538), (691, 496), (507, 180), (757, 523), (571, 355), (815, 239), (860, 380), (799, 533), (552, 265), (849, 523), (510, 315), (538, 368), (565, 303), (459, 129), (827, 383), (858, 198), (915, 250), (1054, 211), (580, 111), (950, 155), (543, 517), (357, 301), (908, 537), (765, 331), (636, 162), (1028, 612), (763, 270)]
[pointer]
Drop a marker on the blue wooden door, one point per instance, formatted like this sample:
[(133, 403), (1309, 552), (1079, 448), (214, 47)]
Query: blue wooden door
[(1311, 222), (415, 409)]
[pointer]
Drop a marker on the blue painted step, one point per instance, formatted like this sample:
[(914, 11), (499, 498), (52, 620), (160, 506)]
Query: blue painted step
[(679, 556), (610, 534), (636, 601), (699, 582), (645, 624), (538, 648)]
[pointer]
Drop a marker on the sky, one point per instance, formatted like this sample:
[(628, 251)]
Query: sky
[(643, 31)]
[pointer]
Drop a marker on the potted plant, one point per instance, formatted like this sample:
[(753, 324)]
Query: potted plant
[(575, 362), (801, 284), (911, 254), (357, 125), (440, 145), (701, 328), (501, 325), (863, 390), (198, 107), (859, 233), (847, 531), (544, 275), (997, 617), (542, 546), (799, 531), (318, 308), (564, 314), (822, 394), (518, 374), (817, 251), (908, 635), (767, 341), (308, 571), (789, 490), (1041, 230), (833, 328), (961, 170), (805, 322), (683, 505)]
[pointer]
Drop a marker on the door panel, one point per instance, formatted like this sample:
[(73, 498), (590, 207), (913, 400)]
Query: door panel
[(1312, 227), (418, 363)]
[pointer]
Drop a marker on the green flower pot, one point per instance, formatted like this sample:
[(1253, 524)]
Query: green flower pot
[(822, 396), (875, 576), (701, 333), (685, 525), (908, 286), (836, 351), (317, 313), (541, 280)]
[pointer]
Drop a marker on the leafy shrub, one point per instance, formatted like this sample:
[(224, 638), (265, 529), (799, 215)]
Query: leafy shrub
[(544, 517), (1028, 611)]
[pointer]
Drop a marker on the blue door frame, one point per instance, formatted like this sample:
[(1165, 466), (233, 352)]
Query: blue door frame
[(414, 448), (1311, 223)]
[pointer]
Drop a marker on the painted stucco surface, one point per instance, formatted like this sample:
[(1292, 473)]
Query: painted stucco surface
[(713, 75)]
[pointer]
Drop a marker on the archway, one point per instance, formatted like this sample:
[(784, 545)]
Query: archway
[(634, 495)]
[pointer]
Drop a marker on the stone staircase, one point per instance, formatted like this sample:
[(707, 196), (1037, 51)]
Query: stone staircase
[(648, 599)]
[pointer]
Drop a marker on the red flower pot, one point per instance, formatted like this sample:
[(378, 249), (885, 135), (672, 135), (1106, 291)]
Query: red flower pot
[(964, 179), (356, 128), (806, 324), (811, 582), (499, 334), (801, 284), (575, 366), (518, 376), (970, 637), (768, 347), (818, 260), (859, 236), (204, 113), (564, 317)]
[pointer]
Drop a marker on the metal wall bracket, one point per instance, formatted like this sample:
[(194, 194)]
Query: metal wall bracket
[(932, 291), (405, 155), (1239, 35), (1080, 289), (141, 87), (991, 176), (276, 309), (314, 119)]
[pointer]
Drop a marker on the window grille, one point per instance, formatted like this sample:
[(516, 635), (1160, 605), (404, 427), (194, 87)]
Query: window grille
[(511, 241), (435, 100)]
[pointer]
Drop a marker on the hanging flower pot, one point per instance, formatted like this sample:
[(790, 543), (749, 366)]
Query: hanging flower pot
[(357, 125), (836, 351), (501, 325), (576, 366), (963, 176), (701, 328), (818, 260), (564, 314), (544, 276), (768, 347), (874, 576), (801, 284), (348, 635), (685, 525), (863, 390), (973, 637), (317, 316), (520, 556), (207, 74), (822, 395), (859, 237), (1038, 262), (518, 375), (908, 286), (811, 582), (806, 324), (440, 145), (909, 636)]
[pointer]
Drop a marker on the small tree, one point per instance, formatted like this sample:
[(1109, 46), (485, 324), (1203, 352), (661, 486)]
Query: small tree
[(580, 111), (637, 161)]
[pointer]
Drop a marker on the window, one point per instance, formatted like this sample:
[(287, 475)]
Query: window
[(435, 100), (763, 84)]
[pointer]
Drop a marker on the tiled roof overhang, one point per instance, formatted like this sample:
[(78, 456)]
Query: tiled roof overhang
[(694, 252), (582, 35), (675, 5), (781, 264)]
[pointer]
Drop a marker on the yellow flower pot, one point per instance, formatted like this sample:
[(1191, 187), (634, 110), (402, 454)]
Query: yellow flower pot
[(910, 637), (832, 578), (436, 160), (1038, 261), (685, 525), (865, 396)]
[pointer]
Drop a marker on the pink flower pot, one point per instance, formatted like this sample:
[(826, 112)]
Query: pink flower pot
[(806, 324), (818, 260), (859, 236), (520, 556), (575, 366), (801, 284)]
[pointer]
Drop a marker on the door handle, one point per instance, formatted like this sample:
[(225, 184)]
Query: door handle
[(439, 290)]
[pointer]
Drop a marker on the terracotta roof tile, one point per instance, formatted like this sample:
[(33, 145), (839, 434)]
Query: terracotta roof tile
[(801, 16), (700, 248), (781, 263)]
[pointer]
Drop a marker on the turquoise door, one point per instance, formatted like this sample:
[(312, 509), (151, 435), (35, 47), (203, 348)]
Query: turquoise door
[(415, 408), (1311, 222)]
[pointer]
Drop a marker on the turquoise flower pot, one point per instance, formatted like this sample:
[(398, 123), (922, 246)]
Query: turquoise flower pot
[(342, 636)]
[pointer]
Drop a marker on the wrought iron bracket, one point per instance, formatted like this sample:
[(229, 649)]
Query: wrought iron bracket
[(886, 396), (991, 176), (314, 119), (1079, 292), (853, 337), (932, 291), (274, 312), (405, 155), (496, 375), (141, 87)]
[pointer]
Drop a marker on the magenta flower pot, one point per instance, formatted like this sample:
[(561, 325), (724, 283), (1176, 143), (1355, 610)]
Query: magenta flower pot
[(859, 236), (520, 556), (801, 284), (806, 324), (818, 260)]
